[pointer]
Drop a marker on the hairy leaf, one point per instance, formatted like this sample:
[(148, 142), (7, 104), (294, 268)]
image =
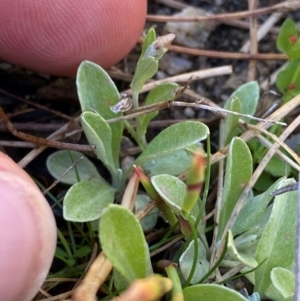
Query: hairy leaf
[(123, 243), (85, 201)]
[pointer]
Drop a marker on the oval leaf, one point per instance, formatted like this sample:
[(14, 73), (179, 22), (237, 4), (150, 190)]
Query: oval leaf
[(186, 262), (173, 138), (146, 69), (238, 174), (171, 190), (85, 201), (283, 284), (253, 209), (277, 243), (165, 165), (231, 121), (99, 134), (123, 243), (149, 39), (60, 161), (150, 220), (97, 92), (211, 292), (248, 94), (288, 29)]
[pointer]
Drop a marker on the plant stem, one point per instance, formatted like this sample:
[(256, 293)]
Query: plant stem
[(73, 244), (194, 236), (134, 134), (141, 137), (64, 243), (177, 294)]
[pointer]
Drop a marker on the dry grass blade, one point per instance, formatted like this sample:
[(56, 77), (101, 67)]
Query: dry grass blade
[(286, 188), (34, 104), (64, 174), (277, 115), (276, 139), (191, 76), (59, 134), (265, 142)]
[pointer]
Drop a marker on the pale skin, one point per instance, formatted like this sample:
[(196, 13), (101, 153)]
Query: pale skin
[(53, 37)]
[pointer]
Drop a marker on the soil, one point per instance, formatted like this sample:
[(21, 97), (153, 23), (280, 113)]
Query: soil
[(17, 86)]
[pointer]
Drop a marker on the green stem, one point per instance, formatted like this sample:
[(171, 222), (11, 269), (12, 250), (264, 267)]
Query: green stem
[(134, 134), (75, 167), (73, 244), (141, 137), (163, 242), (68, 264), (207, 176), (218, 262), (64, 243), (177, 294), (194, 234), (135, 99)]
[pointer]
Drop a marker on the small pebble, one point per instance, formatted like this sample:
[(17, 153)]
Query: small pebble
[(210, 82), (160, 74), (191, 34), (189, 112), (173, 64)]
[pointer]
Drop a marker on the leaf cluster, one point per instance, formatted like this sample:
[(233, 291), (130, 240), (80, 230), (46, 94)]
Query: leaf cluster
[(249, 235)]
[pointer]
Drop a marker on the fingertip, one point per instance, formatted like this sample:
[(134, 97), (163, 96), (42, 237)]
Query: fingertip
[(54, 37)]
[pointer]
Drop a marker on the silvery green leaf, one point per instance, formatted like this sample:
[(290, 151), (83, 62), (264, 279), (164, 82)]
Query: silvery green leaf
[(211, 292), (248, 94), (60, 161), (237, 175), (123, 242), (85, 200), (150, 220), (283, 285), (186, 262), (99, 134), (234, 254), (173, 138), (97, 92), (277, 239)]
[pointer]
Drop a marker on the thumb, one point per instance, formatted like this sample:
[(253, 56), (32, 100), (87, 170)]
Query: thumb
[(53, 37)]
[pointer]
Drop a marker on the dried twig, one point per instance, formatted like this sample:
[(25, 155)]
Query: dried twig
[(253, 41), (234, 23), (36, 105), (263, 30), (227, 55), (281, 7), (42, 141)]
